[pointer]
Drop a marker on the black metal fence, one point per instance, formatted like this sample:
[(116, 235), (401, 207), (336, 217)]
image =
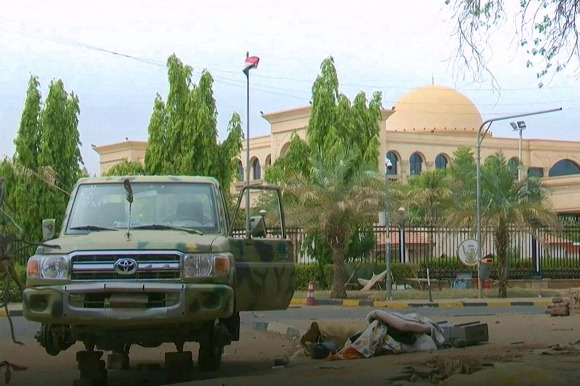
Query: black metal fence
[(544, 253)]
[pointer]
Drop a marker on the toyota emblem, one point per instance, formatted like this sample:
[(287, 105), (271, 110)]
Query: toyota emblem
[(125, 266)]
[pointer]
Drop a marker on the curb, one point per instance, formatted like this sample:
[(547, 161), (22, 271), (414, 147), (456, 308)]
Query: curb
[(12, 313), (279, 328), (414, 304)]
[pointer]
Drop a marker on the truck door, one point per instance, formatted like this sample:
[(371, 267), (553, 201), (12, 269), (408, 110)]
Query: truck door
[(263, 260)]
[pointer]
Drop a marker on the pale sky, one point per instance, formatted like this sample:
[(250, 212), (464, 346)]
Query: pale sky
[(391, 46)]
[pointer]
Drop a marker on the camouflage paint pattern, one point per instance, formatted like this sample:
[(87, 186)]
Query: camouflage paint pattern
[(261, 274)]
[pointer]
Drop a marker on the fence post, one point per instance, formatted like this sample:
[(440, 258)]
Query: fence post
[(536, 258), (402, 246)]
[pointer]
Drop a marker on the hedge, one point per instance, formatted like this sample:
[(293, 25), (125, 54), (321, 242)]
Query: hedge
[(322, 276)]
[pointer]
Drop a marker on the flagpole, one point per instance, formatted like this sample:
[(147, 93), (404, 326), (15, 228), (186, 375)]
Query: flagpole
[(247, 152), (251, 62)]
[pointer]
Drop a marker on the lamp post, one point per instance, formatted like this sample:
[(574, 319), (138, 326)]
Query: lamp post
[(519, 126), (478, 179), (389, 283)]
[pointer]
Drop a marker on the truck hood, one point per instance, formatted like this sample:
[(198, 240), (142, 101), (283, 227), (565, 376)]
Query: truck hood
[(140, 239)]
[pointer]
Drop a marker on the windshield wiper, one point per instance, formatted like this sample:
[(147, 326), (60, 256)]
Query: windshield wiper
[(168, 227), (92, 228)]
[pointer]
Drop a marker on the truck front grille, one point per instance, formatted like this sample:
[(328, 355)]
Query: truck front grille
[(125, 266), (103, 300)]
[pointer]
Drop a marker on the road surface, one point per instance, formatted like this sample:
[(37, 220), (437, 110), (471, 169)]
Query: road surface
[(514, 331)]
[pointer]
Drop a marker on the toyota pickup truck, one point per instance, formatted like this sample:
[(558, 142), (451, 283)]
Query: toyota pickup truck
[(147, 260)]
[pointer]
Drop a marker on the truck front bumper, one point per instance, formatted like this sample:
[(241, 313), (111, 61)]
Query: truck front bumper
[(116, 304)]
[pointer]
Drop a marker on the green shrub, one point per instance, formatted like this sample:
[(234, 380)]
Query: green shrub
[(307, 272), (323, 275), (14, 294)]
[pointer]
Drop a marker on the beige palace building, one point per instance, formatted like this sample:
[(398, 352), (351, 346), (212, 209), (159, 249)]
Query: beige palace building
[(420, 132)]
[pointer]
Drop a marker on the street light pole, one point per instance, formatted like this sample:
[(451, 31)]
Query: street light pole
[(389, 284), (478, 179), (519, 126)]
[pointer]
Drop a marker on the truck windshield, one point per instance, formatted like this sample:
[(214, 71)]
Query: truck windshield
[(103, 207)]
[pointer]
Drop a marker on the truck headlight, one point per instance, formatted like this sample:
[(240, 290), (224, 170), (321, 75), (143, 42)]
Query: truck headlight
[(203, 265), (47, 267)]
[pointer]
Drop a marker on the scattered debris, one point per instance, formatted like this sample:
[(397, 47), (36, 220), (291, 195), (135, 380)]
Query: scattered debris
[(575, 296), (387, 332), (439, 369), (327, 367), (465, 334), (559, 307), (8, 367), (560, 349)]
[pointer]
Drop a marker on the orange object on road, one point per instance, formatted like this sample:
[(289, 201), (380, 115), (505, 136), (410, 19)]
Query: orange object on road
[(310, 294)]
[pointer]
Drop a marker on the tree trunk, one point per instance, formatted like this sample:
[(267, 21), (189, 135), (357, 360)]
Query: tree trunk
[(338, 290), (501, 246)]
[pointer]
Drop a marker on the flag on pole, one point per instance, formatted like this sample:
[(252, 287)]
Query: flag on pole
[(251, 62)]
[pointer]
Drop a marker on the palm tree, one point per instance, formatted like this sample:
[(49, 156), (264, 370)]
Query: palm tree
[(430, 192), (505, 203), (337, 191)]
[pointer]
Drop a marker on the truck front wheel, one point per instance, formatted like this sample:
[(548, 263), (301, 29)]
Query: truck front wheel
[(211, 349)]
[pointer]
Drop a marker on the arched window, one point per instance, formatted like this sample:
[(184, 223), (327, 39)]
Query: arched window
[(284, 149), (268, 162), (256, 169), (535, 172), (441, 161), (240, 171), (415, 164), (564, 167), (394, 161), (513, 164)]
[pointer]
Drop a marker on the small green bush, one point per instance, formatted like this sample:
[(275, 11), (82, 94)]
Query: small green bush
[(14, 294)]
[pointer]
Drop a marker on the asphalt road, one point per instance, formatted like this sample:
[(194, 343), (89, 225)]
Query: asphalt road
[(254, 354)]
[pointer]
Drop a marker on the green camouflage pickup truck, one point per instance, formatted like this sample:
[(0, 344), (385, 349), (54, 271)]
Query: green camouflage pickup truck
[(148, 260)]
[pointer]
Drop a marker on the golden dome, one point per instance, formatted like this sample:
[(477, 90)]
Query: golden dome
[(434, 109)]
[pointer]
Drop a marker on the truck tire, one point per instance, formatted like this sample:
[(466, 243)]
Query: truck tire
[(211, 350)]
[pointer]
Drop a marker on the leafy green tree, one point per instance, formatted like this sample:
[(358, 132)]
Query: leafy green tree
[(126, 168), (183, 137), (228, 152), (505, 203), (548, 30), (337, 190), (59, 151), (296, 159), (156, 156), (27, 146), (47, 161), (334, 125)]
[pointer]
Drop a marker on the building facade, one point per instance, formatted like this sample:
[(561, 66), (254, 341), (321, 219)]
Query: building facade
[(421, 132)]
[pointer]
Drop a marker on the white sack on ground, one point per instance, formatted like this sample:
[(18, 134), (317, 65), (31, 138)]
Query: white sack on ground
[(394, 332)]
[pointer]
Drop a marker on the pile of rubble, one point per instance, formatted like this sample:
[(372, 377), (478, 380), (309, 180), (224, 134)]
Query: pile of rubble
[(559, 307)]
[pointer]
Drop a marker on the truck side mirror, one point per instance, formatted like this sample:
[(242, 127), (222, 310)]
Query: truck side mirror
[(48, 228)]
